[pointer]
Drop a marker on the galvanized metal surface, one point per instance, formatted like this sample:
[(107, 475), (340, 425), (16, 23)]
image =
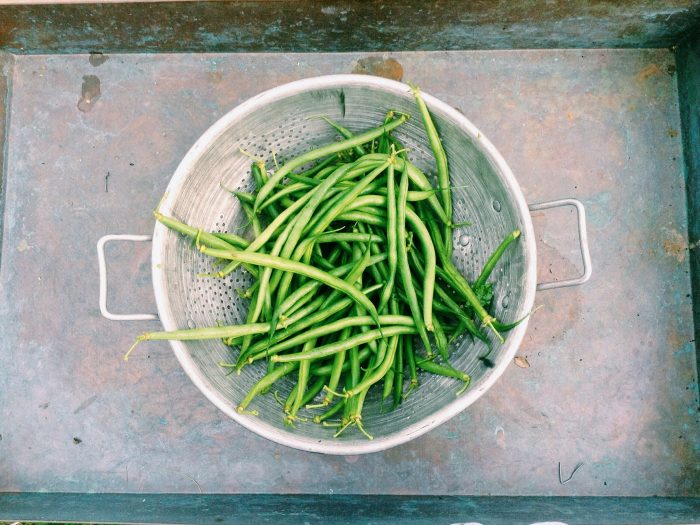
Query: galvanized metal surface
[(689, 97), (341, 509), (611, 377), (347, 25)]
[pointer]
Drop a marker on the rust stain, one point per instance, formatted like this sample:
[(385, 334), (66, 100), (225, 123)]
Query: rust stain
[(674, 339), (97, 58), (570, 116), (89, 93), (380, 67), (216, 76), (672, 133), (675, 245), (650, 71)]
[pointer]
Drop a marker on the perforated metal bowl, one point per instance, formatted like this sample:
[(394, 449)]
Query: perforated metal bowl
[(278, 121)]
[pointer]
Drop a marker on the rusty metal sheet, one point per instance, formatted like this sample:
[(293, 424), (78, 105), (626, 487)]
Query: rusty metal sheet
[(349, 25), (611, 381)]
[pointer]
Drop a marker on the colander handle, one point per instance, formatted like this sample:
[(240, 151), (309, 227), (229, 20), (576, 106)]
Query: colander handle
[(103, 278), (583, 242)]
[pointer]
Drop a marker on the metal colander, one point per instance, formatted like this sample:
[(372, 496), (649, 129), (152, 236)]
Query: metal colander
[(280, 121)]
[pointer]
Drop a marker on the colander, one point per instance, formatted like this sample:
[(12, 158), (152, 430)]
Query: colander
[(284, 121)]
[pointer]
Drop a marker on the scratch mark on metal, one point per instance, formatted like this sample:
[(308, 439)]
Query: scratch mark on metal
[(199, 487), (89, 401), (565, 481)]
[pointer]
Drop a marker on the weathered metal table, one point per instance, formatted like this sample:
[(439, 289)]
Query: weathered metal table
[(92, 141)]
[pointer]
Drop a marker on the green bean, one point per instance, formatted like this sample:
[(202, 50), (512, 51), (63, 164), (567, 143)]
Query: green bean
[(318, 153), (330, 412), (309, 287), (410, 358), (354, 277), (333, 348), (319, 260), (366, 200), (266, 382), (325, 220), (353, 379), (337, 369), (263, 295), (346, 134), (337, 206), (308, 181), (267, 234), (377, 373), (388, 384), (450, 304), (418, 178), (325, 370), (441, 161), (330, 328), (430, 265), (435, 368), (456, 310), (402, 263), (440, 340), (358, 254), (307, 316), (278, 263), (460, 284), (363, 217), (232, 239), (302, 381), (286, 191), (300, 318), (317, 171), (313, 390), (413, 195), (383, 146), (193, 334), (208, 239), (301, 221), (253, 218), (497, 254), (243, 196), (398, 372), (391, 236), (347, 236)]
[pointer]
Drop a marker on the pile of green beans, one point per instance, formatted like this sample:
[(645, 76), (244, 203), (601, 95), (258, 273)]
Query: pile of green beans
[(354, 285)]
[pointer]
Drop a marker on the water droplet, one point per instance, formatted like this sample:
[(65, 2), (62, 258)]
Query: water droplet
[(190, 323), (505, 301), (465, 240), (330, 491), (496, 205)]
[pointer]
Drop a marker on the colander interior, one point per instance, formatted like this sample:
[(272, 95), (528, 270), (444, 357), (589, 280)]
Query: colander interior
[(283, 122)]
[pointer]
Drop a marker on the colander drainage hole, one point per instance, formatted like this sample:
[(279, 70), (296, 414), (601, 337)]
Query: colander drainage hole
[(505, 301)]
